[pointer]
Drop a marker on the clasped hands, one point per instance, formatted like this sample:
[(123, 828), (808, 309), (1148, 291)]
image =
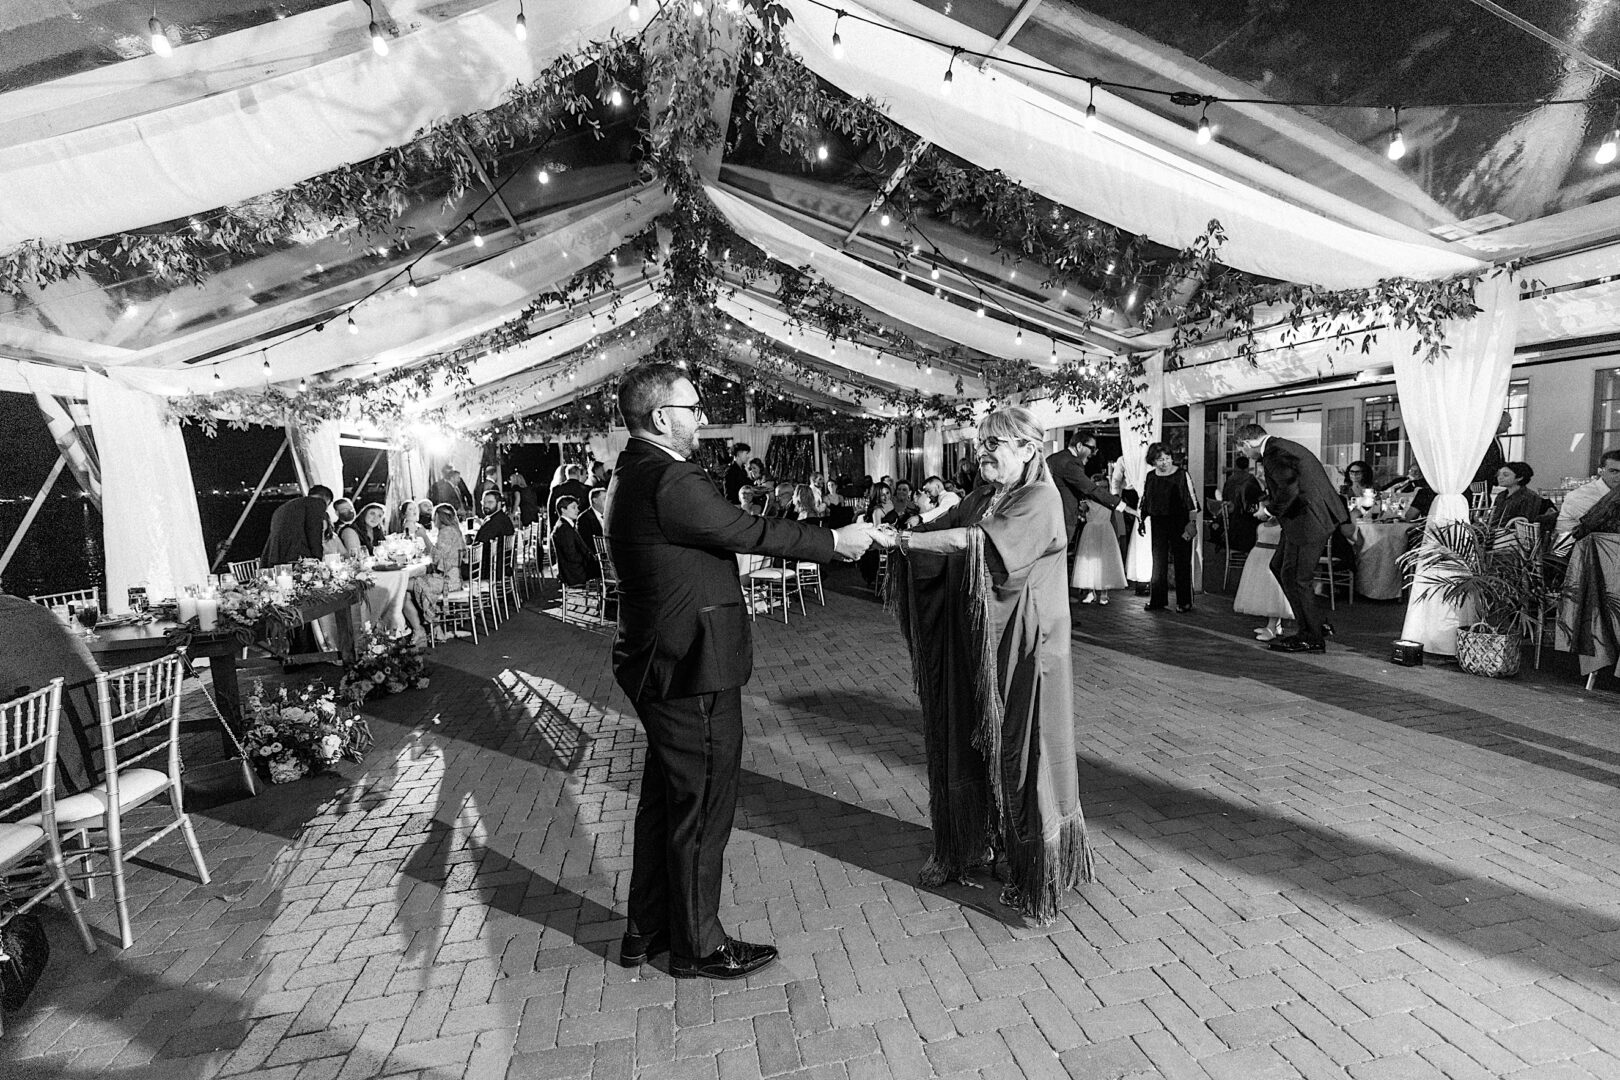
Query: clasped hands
[(852, 541)]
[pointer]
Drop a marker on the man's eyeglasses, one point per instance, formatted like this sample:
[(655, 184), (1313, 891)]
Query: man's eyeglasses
[(697, 407)]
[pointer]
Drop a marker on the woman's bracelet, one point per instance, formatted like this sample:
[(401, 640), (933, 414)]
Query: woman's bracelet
[(902, 538)]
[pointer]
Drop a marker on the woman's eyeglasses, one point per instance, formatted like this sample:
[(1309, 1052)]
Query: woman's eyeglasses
[(993, 443)]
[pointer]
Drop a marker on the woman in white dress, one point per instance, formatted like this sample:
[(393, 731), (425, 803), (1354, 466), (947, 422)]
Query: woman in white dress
[(1258, 592), (1098, 564)]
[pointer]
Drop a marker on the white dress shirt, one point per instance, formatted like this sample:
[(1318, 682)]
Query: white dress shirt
[(1578, 502), (947, 499)]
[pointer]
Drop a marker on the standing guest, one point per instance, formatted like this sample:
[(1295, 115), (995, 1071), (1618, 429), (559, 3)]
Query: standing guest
[(573, 486), (737, 471), (682, 656), (1258, 591), (840, 510), (590, 522), (985, 611), (600, 474), (1068, 469), (443, 574), (1299, 494), (1516, 499), (489, 481), (1240, 495), (298, 528), (465, 496), (756, 473), (1490, 466), (576, 562), (524, 501), (1582, 499), (1167, 501), (445, 489)]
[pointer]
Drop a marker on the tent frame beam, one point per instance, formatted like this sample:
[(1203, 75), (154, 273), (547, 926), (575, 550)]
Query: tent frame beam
[(33, 511)]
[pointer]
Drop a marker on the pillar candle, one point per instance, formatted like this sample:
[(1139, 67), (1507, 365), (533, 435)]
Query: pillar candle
[(207, 612), (188, 607)]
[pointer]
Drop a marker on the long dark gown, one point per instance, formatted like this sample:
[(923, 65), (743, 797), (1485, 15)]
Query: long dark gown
[(988, 630)]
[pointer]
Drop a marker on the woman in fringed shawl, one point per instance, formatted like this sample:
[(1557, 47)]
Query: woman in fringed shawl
[(983, 596)]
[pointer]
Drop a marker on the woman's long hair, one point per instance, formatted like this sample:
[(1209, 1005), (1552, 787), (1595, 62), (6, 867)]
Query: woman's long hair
[(1017, 422)]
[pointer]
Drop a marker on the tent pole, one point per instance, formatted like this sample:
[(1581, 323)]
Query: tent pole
[(374, 463), (219, 556), (33, 510)]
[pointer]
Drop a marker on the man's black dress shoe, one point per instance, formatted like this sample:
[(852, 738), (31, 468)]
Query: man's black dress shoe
[(1296, 644), (637, 949), (1152, 607), (732, 960), (1184, 608)]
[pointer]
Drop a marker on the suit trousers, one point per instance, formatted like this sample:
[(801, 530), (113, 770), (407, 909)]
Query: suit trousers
[(1170, 548), (1293, 564), (683, 820)]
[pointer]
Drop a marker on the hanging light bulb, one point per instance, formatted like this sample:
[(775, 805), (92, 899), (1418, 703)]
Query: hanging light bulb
[(821, 152), (1018, 338), (1054, 352), (478, 236), (884, 220), (1397, 145), (1091, 106), (379, 44), (980, 311), (1204, 130), (303, 384), (697, 8), (217, 379), (615, 96), (354, 327), (159, 34), (266, 367), (635, 11), (759, 58), (521, 29), (950, 73), (545, 176), (1611, 142), (837, 41), (934, 273), (410, 283)]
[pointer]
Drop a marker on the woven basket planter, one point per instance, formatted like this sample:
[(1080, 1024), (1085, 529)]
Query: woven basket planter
[(1497, 656)]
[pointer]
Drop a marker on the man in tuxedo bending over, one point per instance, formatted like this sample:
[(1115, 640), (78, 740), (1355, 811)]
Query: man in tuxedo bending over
[(682, 656), (1307, 505)]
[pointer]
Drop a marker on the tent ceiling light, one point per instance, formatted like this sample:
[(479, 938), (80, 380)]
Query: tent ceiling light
[(821, 152), (478, 236), (837, 41), (1204, 131), (545, 176), (159, 35), (697, 8), (950, 69), (410, 284), (1397, 145), (354, 327), (379, 44), (884, 220), (1091, 106), (615, 97), (1606, 152), (635, 11), (521, 27)]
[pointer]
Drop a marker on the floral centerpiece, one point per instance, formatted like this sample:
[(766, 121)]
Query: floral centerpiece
[(398, 549), (297, 733), (244, 607), (382, 665)]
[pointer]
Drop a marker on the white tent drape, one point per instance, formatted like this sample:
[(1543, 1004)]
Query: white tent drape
[(149, 502), (1136, 433), (1451, 407), (317, 450), (407, 476)]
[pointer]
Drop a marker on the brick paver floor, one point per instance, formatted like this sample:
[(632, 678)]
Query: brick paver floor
[(1320, 866)]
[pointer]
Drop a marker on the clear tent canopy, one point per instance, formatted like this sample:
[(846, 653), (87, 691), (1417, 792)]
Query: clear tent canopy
[(1302, 99)]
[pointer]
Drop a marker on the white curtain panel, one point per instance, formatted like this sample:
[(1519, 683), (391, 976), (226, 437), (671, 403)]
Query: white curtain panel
[(1000, 121), (1451, 407), (318, 454), (877, 289), (407, 475), (153, 139), (152, 531)]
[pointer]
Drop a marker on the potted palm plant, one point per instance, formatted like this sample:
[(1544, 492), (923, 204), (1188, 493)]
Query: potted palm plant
[(1493, 576)]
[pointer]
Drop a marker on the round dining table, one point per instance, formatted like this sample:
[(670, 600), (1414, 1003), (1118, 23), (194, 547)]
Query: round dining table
[(1379, 545)]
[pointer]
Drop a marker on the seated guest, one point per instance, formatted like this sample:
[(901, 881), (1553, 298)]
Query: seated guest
[(905, 500), (405, 521), (806, 507), (496, 525), (360, 534), (1358, 480), (1584, 498), (1422, 494), (880, 510), (35, 647), (1516, 499), (590, 522), (424, 518), (443, 573), (782, 501), (576, 563)]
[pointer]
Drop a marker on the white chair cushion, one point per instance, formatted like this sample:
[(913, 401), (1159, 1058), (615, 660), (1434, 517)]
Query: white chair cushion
[(772, 574), (133, 786), (16, 839)]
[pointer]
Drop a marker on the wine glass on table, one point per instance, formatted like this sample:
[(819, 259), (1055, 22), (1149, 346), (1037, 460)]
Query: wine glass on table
[(89, 614)]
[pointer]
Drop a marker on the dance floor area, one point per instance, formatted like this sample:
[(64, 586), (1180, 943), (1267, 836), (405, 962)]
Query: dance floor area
[(1317, 866)]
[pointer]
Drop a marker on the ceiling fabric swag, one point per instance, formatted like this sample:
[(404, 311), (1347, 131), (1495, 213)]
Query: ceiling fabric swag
[(136, 151), (1040, 140)]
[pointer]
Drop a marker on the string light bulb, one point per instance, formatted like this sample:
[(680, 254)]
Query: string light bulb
[(1397, 145), (354, 327), (884, 220), (697, 8), (478, 236), (379, 44), (266, 366), (950, 72), (410, 283), (159, 34), (615, 96), (545, 176), (217, 379), (303, 384), (980, 311), (821, 152), (1204, 130), (1091, 105), (838, 41), (1018, 338), (1607, 151), (521, 29), (934, 272)]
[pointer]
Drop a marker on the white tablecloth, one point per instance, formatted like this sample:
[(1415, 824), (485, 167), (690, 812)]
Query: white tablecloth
[(385, 597), (1378, 547)]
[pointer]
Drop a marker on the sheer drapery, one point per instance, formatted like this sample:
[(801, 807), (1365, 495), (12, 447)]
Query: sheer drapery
[(1451, 407), (407, 476), (1138, 429), (316, 448), (149, 503)]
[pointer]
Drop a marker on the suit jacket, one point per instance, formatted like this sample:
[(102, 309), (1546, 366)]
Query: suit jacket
[(297, 531), (674, 539), (443, 491), (576, 562), (1298, 491), (568, 487), (1075, 487), (590, 527), (736, 480)]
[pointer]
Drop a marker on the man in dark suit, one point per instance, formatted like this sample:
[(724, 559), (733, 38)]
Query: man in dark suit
[(576, 562), (298, 528), (1303, 499), (571, 487), (491, 480), (496, 526), (590, 522), (682, 656), (1068, 468), (449, 489), (737, 471)]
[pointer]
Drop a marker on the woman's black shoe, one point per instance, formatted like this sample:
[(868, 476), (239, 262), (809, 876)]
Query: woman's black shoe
[(1184, 608), (1153, 607)]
